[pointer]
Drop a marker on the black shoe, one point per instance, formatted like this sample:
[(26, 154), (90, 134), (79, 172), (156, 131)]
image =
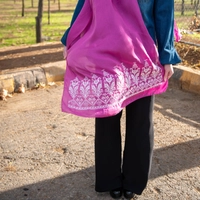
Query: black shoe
[(116, 193), (128, 194)]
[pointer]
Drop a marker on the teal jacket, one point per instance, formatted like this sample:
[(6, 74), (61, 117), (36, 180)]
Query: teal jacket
[(158, 16)]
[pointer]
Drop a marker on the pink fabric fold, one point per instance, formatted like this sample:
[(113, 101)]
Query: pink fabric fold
[(177, 33), (112, 60)]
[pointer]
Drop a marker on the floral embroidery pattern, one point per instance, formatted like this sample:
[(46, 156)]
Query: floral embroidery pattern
[(109, 90)]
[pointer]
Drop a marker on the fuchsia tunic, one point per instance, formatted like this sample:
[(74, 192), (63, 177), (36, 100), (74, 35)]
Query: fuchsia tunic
[(112, 60)]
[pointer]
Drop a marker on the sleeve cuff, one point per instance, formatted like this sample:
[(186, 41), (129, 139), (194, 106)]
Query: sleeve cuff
[(169, 57)]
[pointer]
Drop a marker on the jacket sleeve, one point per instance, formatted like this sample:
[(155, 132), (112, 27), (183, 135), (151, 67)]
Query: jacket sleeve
[(75, 15), (164, 28)]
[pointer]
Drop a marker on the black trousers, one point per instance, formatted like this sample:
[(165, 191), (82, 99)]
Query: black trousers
[(129, 170)]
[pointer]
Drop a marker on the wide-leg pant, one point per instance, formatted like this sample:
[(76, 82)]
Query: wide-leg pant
[(130, 170)]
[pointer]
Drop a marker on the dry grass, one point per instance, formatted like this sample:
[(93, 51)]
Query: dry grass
[(10, 168)]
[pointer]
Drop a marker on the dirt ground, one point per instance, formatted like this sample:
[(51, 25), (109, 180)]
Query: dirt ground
[(35, 55), (49, 155), (30, 55), (189, 54)]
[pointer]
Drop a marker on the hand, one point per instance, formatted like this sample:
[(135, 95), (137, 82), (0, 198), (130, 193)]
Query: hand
[(65, 52), (168, 71)]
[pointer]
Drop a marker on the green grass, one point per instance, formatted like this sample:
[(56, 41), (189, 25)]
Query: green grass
[(18, 30)]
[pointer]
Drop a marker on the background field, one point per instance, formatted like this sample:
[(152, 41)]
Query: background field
[(187, 16), (16, 30)]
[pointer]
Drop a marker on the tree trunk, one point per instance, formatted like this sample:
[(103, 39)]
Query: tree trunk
[(23, 8), (48, 11), (196, 6), (58, 4), (183, 7), (32, 4), (39, 22)]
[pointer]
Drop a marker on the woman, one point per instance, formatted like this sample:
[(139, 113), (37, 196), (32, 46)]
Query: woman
[(113, 63)]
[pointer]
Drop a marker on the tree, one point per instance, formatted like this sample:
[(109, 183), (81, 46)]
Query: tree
[(183, 7), (196, 6), (38, 19), (58, 4), (32, 3), (23, 6), (48, 11)]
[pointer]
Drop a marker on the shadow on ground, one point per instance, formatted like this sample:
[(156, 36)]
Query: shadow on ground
[(80, 184), (187, 111), (30, 56)]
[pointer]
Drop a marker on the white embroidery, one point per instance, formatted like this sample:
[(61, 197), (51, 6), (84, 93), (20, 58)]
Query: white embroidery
[(112, 89)]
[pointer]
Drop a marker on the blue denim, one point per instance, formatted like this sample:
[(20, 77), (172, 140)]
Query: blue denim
[(158, 16), (75, 15)]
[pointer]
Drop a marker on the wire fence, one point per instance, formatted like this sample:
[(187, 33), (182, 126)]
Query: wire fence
[(187, 16)]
